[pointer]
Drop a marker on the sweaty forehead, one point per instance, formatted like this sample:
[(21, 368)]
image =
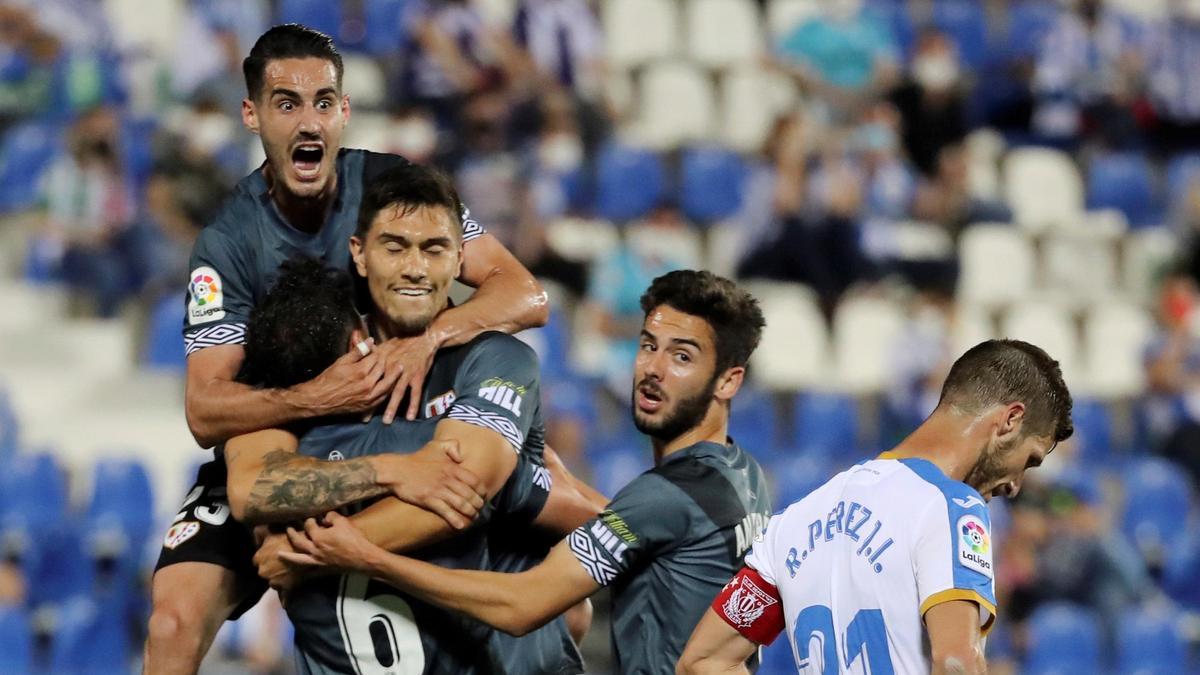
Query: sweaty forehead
[(667, 323), (307, 75), (420, 223)]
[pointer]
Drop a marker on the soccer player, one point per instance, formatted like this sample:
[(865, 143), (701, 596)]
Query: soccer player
[(304, 200), (669, 540), (896, 552), (483, 396)]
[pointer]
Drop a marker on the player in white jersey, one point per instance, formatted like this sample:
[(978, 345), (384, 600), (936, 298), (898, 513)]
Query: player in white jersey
[(887, 568)]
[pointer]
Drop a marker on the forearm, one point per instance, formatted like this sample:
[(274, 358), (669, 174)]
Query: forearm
[(958, 665), (396, 526), (218, 409), (506, 302), (293, 487), (711, 666)]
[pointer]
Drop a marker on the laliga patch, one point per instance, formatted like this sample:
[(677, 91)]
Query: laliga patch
[(974, 545), (747, 603), (206, 296), (180, 532)]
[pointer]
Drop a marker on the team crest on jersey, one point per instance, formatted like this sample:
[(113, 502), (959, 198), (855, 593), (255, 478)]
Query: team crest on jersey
[(206, 296), (974, 545), (336, 456), (438, 405), (746, 603), (180, 532)]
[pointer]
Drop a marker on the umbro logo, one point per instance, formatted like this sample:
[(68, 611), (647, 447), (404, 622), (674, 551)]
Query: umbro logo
[(968, 502)]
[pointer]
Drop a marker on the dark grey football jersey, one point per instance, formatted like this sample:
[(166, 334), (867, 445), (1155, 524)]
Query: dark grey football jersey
[(668, 543)]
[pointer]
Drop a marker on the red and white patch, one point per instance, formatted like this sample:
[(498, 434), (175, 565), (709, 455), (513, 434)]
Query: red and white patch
[(440, 404), (180, 532), (751, 606)]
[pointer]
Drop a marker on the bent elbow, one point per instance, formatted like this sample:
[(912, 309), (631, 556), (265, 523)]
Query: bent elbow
[(200, 427), (239, 500), (539, 306)]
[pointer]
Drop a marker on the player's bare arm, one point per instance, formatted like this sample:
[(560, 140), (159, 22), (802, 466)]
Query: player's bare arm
[(715, 647), (218, 408), (571, 502), (269, 482), (507, 299), (513, 603), (955, 642)]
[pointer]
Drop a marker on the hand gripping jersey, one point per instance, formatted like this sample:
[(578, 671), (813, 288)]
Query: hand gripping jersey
[(667, 543), (237, 256), (851, 569), (353, 624)]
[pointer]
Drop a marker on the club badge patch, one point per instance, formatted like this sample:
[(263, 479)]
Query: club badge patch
[(747, 603), (180, 532), (206, 296)]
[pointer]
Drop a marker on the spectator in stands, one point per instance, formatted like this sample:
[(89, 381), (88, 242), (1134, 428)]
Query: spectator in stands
[(887, 179), (27, 70), (563, 38), (413, 134), (614, 296), (946, 199), (1089, 75), (1173, 374), (90, 214), (931, 101), (1174, 87), (845, 56), (488, 173)]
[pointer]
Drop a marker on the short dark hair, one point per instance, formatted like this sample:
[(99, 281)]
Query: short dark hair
[(999, 372), (287, 41), (301, 326), (734, 315), (412, 186)]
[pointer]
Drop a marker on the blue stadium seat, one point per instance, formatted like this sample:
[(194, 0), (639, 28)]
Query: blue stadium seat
[(322, 15), (1149, 642), (1123, 181), (16, 641), (631, 182), (614, 467), (1063, 638), (1158, 501), (137, 147), (1181, 569), (10, 428), (25, 153), (164, 343), (826, 425), (383, 19), (33, 489), (797, 474), (753, 422), (85, 642), (121, 511), (965, 22), (1181, 171), (1093, 430), (711, 184), (895, 15), (1029, 21)]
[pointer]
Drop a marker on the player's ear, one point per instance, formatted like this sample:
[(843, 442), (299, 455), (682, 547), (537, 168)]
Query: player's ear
[(345, 109), (1012, 418), (359, 257), (249, 116), (729, 383)]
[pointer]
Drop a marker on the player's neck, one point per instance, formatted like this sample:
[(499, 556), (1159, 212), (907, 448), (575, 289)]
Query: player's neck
[(712, 429), (942, 441), (384, 329), (307, 214)]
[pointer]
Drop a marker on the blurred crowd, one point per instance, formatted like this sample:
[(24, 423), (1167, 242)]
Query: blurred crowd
[(880, 118)]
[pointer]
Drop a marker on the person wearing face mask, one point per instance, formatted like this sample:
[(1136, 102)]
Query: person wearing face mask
[(895, 553), (931, 102)]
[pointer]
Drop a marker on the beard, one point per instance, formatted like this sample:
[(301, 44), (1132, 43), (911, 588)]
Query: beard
[(989, 468), (686, 415)]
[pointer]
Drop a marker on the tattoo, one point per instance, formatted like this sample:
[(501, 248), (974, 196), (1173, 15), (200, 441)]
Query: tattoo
[(293, 487)]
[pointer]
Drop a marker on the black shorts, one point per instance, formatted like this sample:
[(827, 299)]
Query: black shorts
[(205, 531)]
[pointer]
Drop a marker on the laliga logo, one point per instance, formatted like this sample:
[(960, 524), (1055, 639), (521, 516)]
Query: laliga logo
[(974, 536), (204, 289)]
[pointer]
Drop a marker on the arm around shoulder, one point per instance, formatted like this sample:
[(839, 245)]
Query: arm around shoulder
[(507, 298)]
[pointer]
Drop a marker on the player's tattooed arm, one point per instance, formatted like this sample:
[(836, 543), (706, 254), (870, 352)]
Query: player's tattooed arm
[(292, 487)]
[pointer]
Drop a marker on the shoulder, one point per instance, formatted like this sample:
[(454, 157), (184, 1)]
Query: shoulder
[(948, 498), (493, 344)]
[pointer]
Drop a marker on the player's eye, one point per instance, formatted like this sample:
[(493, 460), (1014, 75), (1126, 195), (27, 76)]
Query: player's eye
[(435, 250), (393, 247), (287, 106), (683, 357), (324, 104), (647, 347)]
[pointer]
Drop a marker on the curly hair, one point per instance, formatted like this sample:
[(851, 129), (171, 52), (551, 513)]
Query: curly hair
[(734, 315)]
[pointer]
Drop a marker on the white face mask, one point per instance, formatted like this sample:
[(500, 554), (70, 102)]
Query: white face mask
[(935, 72), (209, 133), (560, 152), (414, 137)]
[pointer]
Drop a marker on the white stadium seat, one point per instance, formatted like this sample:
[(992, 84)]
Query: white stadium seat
[(1049, 326), (751, 99), (364, 80), (784, 15), (370, 131), (582, 239), (969, 327), (794, 350), (1078, 270), (1115, 337), (675, 106), (638, 31), (1043, 187), (865, 332), (997, 265), (721, 33), (1145, 254)]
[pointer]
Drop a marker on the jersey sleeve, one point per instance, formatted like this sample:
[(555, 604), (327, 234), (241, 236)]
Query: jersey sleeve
[(524, 495), (750, 603), (471, 229), (219, 294), (497, 388), (647, 518), (952, 555)]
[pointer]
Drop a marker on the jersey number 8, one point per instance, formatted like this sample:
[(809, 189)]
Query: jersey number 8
[(866, 636), (380, 632)]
